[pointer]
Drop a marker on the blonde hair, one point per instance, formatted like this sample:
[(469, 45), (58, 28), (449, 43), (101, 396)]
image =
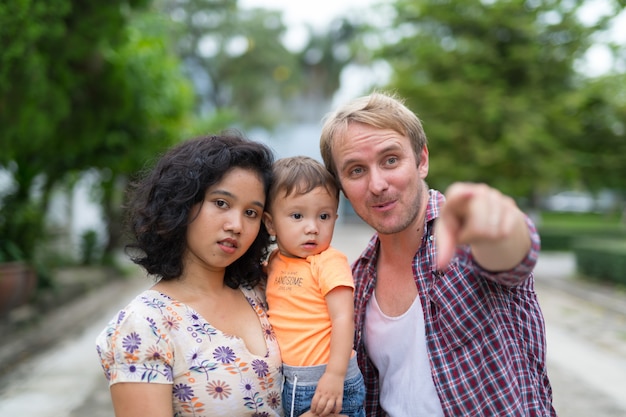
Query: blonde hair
[(379, 110)]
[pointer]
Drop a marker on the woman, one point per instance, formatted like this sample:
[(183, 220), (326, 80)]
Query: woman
[(198, 343)]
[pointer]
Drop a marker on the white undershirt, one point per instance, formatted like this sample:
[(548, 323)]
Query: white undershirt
[(397, 347)]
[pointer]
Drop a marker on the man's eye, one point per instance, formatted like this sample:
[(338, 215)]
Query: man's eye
[(392, 160)]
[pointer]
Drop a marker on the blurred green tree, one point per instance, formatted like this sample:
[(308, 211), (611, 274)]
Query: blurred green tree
[(81, 89), (600, 148), (326, 54), (236, 58), (496, 87)]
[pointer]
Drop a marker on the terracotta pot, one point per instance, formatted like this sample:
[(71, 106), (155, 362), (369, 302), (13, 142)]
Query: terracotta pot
[(18, 282)]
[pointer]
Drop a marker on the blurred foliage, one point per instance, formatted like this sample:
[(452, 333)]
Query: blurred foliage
[(235, 58), (326, 55), (560, 231), (81, 88), (496, 87), (242, 68), (600, 148), (106, 86)]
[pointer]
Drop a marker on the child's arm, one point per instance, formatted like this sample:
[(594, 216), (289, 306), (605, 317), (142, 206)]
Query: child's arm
[(329, 393)]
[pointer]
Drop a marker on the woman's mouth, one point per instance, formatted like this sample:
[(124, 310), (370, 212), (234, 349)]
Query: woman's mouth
[(228, 245)]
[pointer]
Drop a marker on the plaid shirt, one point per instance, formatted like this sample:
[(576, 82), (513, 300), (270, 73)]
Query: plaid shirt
[(485, 331)]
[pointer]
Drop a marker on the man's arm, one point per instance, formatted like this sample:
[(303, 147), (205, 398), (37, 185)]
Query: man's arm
[(489, 222)]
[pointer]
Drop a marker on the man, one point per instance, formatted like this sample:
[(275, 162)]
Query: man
[(447, 321)]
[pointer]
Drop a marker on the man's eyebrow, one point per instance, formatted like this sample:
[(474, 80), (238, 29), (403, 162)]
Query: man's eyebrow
[(389, 148), (231, 195)]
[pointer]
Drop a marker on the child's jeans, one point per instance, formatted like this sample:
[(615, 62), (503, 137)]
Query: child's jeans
[(301, 381)]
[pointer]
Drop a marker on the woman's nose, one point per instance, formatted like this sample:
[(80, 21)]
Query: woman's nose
[(233, 224)]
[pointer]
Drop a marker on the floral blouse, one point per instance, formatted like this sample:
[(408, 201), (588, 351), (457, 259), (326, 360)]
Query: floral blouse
[(157, 339)]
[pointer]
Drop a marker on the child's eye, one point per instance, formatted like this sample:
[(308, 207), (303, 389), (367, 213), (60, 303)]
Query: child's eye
[(296, 216), (325, 216)]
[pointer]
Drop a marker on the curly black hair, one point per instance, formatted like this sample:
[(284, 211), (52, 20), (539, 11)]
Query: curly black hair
[(159, 204)]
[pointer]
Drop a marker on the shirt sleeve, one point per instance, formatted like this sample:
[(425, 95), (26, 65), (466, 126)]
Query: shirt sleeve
[(332, 269), (520, 273), (135, 347)]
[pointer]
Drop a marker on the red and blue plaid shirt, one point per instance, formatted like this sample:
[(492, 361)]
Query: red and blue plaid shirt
[(485, 331)]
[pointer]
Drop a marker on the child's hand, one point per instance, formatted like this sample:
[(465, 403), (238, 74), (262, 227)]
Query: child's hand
[(328, 396)]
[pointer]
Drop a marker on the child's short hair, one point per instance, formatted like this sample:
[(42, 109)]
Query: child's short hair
[(300, 175)]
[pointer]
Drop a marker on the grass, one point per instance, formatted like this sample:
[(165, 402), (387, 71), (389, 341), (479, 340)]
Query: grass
[(582, 221)]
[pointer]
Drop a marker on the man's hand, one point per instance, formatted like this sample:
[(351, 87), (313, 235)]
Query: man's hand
[(488, 221)]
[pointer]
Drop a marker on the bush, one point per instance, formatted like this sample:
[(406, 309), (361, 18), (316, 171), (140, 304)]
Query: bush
[(556, 240), (558, 231), (603, 259), (563, 239)]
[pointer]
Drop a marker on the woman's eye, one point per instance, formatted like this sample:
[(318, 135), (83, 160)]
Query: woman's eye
[(221, 203), (251, 213)]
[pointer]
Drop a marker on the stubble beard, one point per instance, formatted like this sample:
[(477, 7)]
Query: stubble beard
[(404, 219)]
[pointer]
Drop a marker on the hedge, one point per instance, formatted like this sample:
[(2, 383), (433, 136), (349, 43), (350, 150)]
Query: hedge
[(602, 259), (563, 239)]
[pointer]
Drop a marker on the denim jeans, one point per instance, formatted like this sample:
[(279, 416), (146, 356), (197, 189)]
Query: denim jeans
[(304, 379)]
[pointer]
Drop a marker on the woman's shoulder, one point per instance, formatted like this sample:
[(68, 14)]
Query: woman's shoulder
[(256, 294), (148, 303), (142, 317), (149, 300)]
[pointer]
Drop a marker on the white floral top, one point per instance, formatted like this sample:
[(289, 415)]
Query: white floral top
[(159, 340)]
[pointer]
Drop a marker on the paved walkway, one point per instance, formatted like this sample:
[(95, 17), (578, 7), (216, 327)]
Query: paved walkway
[(586, 328), (586, 331)]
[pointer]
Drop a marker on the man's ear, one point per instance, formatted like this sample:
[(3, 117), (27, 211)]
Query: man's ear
[(269, 225), (423, 165)]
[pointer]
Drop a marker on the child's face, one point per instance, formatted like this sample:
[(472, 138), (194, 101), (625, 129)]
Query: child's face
[(303, 223)]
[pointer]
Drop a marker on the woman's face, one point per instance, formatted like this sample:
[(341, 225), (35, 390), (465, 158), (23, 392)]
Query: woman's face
[(226, 223)]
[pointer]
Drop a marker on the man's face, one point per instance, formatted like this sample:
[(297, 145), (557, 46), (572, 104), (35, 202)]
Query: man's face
[(379, 175)]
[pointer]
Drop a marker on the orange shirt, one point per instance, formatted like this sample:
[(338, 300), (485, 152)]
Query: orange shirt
[(296, 291)]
